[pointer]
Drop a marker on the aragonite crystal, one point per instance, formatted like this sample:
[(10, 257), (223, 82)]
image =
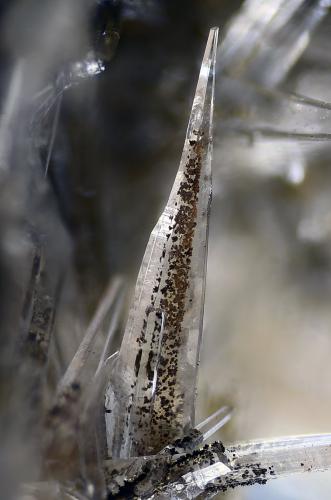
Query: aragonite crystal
[(151, 398)]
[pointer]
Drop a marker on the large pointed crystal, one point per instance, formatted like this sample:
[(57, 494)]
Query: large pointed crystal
[(151, 399)]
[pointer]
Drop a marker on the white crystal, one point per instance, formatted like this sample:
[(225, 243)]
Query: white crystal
[(152, 393)]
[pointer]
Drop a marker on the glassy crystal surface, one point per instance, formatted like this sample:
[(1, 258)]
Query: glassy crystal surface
[(152, 393), (73, 438), (245, 464), (265, 39)]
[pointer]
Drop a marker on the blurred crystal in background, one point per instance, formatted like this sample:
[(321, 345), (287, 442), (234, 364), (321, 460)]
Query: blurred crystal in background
[(113, 116)]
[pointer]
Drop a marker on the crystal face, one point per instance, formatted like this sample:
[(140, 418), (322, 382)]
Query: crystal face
[(153, 386)]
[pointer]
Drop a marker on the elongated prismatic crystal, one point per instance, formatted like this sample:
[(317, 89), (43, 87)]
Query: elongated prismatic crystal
[(151, 399), (244, 464)]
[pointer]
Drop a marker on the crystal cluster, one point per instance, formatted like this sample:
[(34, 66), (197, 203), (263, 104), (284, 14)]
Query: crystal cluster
[(116, 425)]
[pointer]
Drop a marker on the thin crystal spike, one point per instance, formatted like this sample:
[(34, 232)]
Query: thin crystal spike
[(258, 461), (98, 382), (92, 440), (273, 133), (84, 350), (282, 456), (114, 323), (265, 39), (48, 99), (53, 133), (71, 408), (217, 413), (155, 377), (201, 432), (43, 93), (223, 415), (293, 116), (9, 113), (51, 95), (217, 426)]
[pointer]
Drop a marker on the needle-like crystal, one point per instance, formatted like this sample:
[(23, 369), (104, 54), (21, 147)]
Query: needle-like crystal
[(82, 385), (214, 422)]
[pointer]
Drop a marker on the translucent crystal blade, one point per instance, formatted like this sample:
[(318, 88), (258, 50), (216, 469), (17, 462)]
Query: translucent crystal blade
[(85, 352), (155, 379), (214, 422), (280, 457), (91, 429), (9, 114), (165, 470), (265, 39), (255, 110), (53, 134), (253, 463), (78, 403)]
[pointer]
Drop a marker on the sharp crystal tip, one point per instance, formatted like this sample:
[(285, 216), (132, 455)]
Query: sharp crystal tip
[(155, 398)]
